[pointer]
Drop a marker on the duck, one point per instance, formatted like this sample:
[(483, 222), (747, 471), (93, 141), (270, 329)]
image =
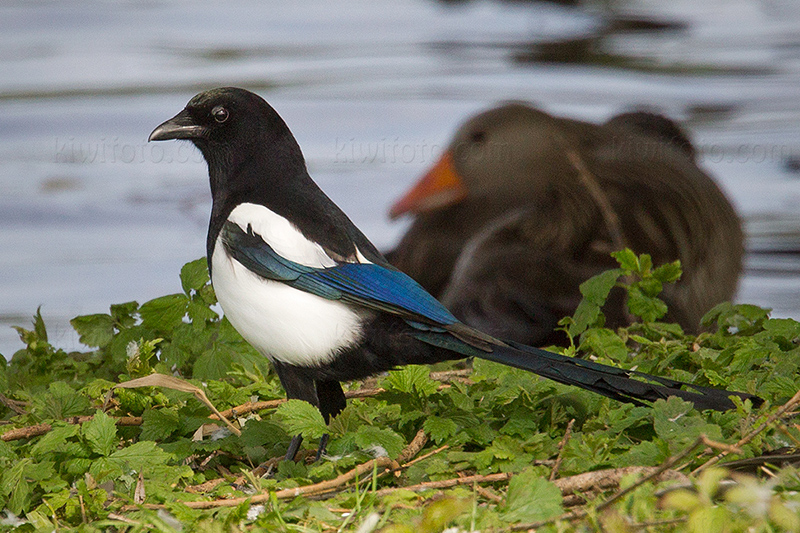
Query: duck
[(524, 206)]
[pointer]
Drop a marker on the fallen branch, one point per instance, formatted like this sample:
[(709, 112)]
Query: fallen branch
[(414, 447), (447, 483), (40, 429), (653, 473), (794, 401), (409, 451)]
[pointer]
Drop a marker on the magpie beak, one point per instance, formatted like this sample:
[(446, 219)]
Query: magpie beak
[(181, 126)]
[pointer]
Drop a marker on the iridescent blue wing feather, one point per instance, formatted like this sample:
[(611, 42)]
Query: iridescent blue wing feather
[(373, 286)]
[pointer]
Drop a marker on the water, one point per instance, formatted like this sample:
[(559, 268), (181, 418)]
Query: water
[(90, 214)]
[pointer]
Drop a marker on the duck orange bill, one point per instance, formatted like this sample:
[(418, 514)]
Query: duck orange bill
[(440, 187)]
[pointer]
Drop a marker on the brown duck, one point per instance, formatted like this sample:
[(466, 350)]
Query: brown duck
[(523, 207)]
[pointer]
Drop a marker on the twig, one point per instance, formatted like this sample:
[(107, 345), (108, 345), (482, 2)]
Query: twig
[(561, 445), (795, 400), (307, 490), (448, 375), (281, 494), (40, 429), (425, 456), (666, 465), (414, 447), (489, 495), (653, 473), (126, 520), (14, 405), (447, 483), (607, 479)]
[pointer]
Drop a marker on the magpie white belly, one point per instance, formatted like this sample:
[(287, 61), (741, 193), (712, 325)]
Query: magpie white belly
[(281, 322)]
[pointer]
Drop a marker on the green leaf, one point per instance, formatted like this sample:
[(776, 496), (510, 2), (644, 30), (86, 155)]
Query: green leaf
[(411, 379), (62, 401), (54, 440), (439, 428), (668, 272), (158, 424), (194, 275), (676, 425), (38, 325), (302, 418), (604, 342), (164, 313), (124, 314), (213, 364), (14, 488), (94, 330), (199, 313), (597, 288), (649, 308), (586, 315), (531, 498), (370, 436), (140, 456), (627, 260), (100, 433)]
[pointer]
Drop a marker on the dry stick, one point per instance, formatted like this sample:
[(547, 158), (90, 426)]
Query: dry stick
[(607, 479), (657, 471), (447, 483), (668, 464), (448, 375), (489, 495), (41, 429), (14, 405), (423, 457), (795, 400), (561, 445), (414, 447), (281, 494), (308, 490)]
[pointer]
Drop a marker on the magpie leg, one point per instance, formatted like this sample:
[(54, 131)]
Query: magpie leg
[(294, 446), (331, 403), (323, 445), (326, 395)]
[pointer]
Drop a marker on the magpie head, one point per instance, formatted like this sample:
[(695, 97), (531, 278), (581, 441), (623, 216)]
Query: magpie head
[(223, 116), (233, 126)]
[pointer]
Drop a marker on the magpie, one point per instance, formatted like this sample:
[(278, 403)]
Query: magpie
[(306, 288)]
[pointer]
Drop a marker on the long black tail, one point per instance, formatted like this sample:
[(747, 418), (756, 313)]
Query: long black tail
[(617, 383)]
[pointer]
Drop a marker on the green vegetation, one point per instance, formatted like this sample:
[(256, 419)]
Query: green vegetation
[(478, 447)]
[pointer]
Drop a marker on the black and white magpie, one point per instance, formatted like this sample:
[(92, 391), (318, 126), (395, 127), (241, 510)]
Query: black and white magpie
[(308, 290)]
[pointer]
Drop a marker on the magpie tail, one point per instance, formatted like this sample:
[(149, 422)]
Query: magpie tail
[(617, 383)]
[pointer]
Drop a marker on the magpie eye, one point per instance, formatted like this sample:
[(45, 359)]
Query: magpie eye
[(220, 114)]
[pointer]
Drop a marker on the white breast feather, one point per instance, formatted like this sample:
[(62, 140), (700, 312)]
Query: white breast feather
[(283, 323), (281, 235)]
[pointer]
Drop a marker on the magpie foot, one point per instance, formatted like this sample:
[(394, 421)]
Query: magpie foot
[(323, 446)]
